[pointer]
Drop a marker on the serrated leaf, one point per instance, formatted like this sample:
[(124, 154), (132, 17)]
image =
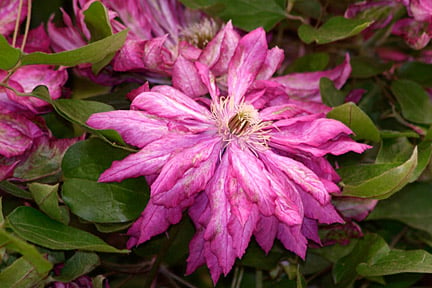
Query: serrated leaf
[(358, 121), (336, 28), (251, 14), (410, 206), (47, 199), (100, 202), (330, 95), (34, 226), (398, 261), (370, 181), (79, 264), (91, 53), (9, 56), (415, 103)]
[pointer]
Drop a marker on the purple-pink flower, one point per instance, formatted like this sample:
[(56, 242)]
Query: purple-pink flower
[(240, 165)]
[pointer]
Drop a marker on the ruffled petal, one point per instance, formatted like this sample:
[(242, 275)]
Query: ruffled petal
[(167, 102), (186, 78), (186, 173), (306, 85), (155, 219), (246, 63), (139, 131)]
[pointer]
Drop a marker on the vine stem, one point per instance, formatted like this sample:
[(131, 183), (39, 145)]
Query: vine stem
[(15, 35), (27, 26)]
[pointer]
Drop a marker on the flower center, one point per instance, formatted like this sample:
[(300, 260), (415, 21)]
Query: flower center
[(245, 126), (199, 34)]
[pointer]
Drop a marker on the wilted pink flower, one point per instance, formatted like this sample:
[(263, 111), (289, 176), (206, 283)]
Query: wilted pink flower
[(415, 33), (378, 11), (239, 165), (28, 151), (27, 78), (9, 13), (420, 10)]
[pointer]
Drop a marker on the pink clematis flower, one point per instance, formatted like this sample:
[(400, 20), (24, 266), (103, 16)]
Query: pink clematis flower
[(416, 34), (9, 13), (239, 166)]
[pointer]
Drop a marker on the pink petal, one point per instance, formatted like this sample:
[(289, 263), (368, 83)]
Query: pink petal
[(310, 230), (219, 51), (149, 160), (8, 15), (16, 134), (323, 213), (306, 85), (246, 167), (167, 102), (133, 126), (246, 63), (186, 173), (265, 232), (271, 63), (130, 56), (64, 38), (292, 239), (155, 219), (217, 234), (209, 80), (301, 175), (186, 78), (242, 232)]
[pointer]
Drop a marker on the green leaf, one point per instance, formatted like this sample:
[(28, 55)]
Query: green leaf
[(97, 21), (79, 264), (366, 67), (47, 199), (416, 71), (309, 8), (330, 95), (14, 190), (251, 14), (358, 121), (21, 274), (414, 101), (29, 252), (34, 226), (410, 206), (367, 250), (78, 111), (9, 56), (336, 28), (91, 53), (309, 63), (100, 202), (398, 261), (198, 4), (378, 181)]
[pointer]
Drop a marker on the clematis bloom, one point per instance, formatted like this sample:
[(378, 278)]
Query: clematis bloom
[(239, 166)]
